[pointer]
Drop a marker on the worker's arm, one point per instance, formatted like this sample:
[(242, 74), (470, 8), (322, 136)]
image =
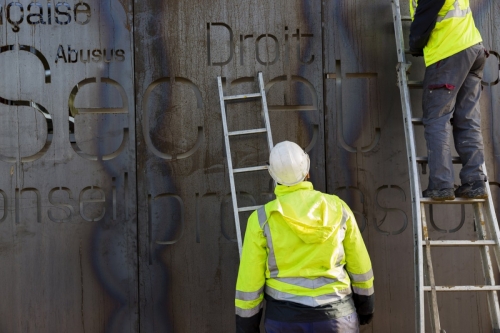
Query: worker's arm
[(359, 268), (251, 278), (423, 23)]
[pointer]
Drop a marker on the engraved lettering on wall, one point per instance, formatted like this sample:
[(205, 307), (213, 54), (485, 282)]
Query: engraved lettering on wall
[(20, 104), (356, 129), (75, 111), (379, 225), (347, 193), (61, 204), (67, 54), (497, 72), (165, 217), (44, 13), (312, 108), (266, 49), (146, 110)]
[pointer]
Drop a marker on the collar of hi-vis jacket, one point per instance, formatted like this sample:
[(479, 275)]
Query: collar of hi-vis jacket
[(283, 189)]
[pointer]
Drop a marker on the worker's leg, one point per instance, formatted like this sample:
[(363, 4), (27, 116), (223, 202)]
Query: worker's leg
[(467, 119), (438, 104), (440, 87)]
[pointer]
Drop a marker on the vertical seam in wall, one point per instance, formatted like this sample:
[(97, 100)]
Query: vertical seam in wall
[(323, 71), (138, 248)]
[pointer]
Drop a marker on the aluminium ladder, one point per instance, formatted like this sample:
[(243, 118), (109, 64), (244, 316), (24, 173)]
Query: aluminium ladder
[(484, 215), (266, 129)]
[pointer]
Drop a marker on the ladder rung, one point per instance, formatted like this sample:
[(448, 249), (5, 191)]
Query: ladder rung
[(463, 288), (417, 121), (415, 84), (257, 168), (457, 201), (460, 243), (245, 96), (258, 130), (246, 209), (405, 18), (424, 159)]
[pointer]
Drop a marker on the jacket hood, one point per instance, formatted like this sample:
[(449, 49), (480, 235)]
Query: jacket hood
[(310, 214)]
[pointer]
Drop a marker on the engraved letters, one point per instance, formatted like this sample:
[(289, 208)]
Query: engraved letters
[(70, 55), (92, 203), (36, 106), (38, 13), (246, 44)]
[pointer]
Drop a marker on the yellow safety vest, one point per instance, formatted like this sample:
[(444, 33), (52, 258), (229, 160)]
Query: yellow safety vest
[(454, 31), (304, 247)]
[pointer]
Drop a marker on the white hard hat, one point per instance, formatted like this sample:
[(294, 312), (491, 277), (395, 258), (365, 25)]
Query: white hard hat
[(288, 163)]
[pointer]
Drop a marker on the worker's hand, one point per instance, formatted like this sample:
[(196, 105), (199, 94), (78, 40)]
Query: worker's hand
[(365, 319), (416, 53)]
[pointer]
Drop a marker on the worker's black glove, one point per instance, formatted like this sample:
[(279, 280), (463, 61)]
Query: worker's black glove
[(365, 319), (365, 306), (248, 324), (416, 52)]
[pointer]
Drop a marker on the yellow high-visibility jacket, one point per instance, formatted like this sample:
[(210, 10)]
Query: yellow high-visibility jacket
[(304, 247), (454, 30)]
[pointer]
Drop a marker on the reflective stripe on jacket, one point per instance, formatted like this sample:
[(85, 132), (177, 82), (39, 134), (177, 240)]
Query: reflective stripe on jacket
[(454, 31), (304, 247)]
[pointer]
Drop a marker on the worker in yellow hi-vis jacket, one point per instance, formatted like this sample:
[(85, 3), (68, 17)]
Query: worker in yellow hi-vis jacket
[(444, 33), (303, 253)]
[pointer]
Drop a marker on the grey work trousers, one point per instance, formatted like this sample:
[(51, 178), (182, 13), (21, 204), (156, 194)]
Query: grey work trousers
[(450, 101)]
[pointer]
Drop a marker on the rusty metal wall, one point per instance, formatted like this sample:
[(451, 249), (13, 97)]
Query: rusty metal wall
[(68, 222), (115, 213), (368, 163), (183, 185)]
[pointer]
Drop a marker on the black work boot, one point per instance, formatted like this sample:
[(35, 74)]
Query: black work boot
[(474, 190), (440, 195)]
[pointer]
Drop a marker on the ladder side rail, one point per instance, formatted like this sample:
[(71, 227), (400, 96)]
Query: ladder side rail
[(412, 166), (435, 322), (488, 273), (230, 165), (398, 30), (265, 111), (491, 219), (481, 288), (410, 143)]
